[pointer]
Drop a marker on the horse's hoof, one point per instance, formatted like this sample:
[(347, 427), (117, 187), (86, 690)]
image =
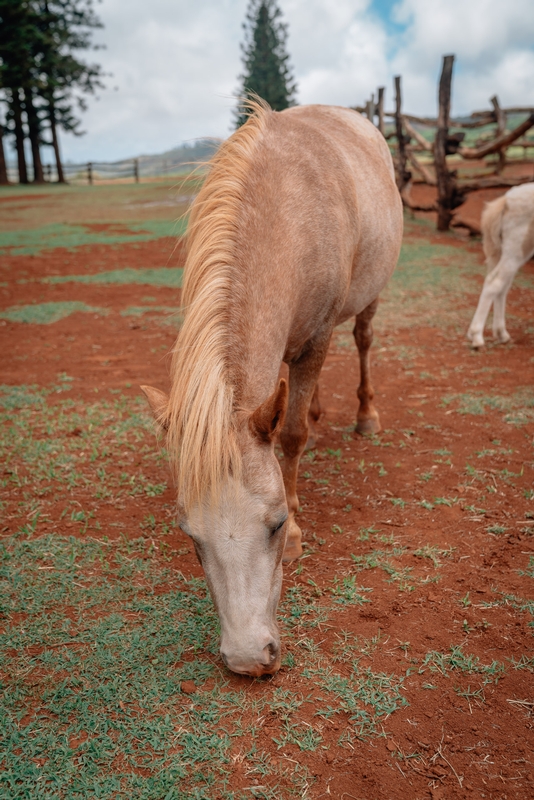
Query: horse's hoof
[(476, 340), (368, 426), (502, 338)]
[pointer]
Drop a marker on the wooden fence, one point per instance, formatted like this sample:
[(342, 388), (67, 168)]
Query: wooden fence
[(427, 154), (91, 172)]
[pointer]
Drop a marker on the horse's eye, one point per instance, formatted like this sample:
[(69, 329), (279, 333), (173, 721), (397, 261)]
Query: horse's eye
[(281, 525)]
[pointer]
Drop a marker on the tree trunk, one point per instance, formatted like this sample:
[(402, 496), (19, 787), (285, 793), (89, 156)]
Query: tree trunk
[(55, 142), (19, 137), (403, 176), (445, 179), (498, 144), (501, 130), (34, 131), (381, 109), (3, 167)]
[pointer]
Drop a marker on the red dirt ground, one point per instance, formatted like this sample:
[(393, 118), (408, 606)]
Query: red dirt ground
[(470, 748)]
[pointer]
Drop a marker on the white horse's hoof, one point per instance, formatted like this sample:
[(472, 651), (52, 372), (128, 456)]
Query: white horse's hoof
[(502, 337), (476, 339)]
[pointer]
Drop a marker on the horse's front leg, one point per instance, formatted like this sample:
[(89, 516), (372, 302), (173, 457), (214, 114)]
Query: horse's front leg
[(314, 415), (368, 420), (303, 376)]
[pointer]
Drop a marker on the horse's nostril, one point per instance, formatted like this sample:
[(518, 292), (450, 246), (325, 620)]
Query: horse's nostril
[(272, 651), (225, 660)]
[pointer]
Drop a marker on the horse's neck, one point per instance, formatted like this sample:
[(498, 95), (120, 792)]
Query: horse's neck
[(255, 354)]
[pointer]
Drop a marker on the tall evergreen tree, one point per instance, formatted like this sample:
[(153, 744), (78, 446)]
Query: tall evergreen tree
[(41, 73), (265, 59), (66, 27), (18, 36)]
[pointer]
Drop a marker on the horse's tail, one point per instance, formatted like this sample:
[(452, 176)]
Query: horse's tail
[(491, 224)]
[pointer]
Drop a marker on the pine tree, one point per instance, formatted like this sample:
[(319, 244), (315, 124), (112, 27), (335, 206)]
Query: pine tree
[(66, 29), (41, 74), (265, 59)]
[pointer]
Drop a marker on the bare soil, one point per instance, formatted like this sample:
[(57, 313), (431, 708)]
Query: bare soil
[(479, 509)]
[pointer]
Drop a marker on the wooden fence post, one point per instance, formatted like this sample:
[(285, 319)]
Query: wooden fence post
[(445, 179), (136, 170), (501, 129), (403, 176), (90, 173), (381, 109)]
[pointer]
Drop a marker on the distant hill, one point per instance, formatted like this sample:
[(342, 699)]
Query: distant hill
[(173, 160)]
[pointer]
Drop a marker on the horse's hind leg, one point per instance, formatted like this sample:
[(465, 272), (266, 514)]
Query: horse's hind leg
[(313, 416), (368, 420), (500, 334), (494, 291)]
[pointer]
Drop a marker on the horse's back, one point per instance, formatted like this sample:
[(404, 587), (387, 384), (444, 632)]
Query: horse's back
[(345, 129), (518, 221), (339, 167)]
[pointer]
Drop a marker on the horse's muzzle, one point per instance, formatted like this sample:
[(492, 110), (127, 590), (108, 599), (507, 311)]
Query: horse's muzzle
[(266, 664)]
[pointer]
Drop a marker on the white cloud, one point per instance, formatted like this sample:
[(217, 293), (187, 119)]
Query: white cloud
[(492, 43), (339, 50), (176, 63)]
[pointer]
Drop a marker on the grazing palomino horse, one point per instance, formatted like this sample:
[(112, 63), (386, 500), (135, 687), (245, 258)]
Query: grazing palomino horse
[(508, 241), (296, 229)]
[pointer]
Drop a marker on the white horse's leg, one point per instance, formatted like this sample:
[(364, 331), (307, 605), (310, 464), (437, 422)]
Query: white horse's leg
[(500, 334), (494, 290), (476, 329)]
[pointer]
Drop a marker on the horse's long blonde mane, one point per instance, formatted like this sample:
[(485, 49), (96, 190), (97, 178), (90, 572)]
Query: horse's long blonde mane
[(201, 437)]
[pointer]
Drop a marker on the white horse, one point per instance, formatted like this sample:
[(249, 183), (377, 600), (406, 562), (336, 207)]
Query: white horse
[(508, 242)]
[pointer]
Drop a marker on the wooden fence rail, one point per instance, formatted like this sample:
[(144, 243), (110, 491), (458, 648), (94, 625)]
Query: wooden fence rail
[(409, 143)]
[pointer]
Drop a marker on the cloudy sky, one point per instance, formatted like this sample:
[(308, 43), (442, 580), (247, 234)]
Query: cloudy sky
[(174, 64)]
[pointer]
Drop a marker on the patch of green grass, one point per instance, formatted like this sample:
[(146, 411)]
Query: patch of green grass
[(49, 448), (301, 734), (46, 313), (525, 662), (498, 529), (427, 270), (98, 638), (366, 697), (104, 702), (529, 571), (161, 276), (346, 592), (387, 561), (433, 553), (445, 501), (518, 408), (456, 659), (49, 236), (99, 635), (13, 397), (511, 601)]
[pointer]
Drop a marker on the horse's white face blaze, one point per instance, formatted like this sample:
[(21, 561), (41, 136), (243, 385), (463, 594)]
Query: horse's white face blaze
[(240, 543)]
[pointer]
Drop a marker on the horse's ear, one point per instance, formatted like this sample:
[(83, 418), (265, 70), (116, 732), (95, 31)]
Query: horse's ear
[(159, 403), (268, 418)]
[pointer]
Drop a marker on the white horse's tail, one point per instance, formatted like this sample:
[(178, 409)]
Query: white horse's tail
[(491, 224)]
